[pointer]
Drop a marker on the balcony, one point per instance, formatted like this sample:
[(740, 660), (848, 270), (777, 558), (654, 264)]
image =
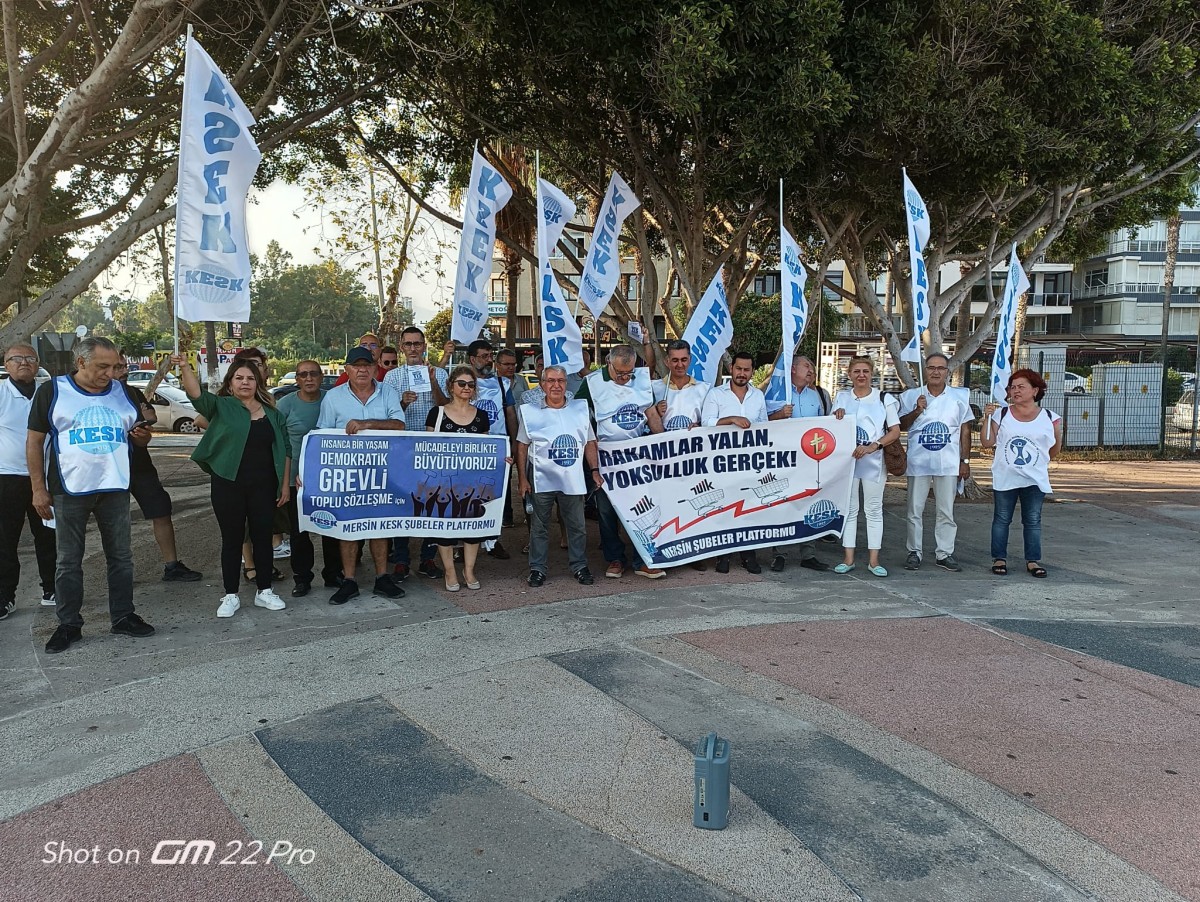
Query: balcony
[(1151, 247), (1052, 303), (1130, 289)]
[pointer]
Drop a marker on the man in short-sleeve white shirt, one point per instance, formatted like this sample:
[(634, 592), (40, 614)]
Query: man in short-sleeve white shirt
[(938, 419)]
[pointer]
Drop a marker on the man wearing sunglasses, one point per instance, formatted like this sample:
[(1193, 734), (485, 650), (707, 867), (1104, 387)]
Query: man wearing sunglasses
[(16, 490), (302, 408), (622, 404), (938, 419), (419, 387), (369, 341)]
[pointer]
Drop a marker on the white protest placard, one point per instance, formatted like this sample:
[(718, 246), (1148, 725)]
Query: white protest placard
[(635, 331), (418, 378)]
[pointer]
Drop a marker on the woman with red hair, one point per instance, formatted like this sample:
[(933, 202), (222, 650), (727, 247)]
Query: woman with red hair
[(1026, 439)]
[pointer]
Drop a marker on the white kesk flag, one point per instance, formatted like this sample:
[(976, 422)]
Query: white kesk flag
[(562, 343), (487, 193), (709, 331), (917, 215), (603, 267), (792, 299), (217, 161), (1017, 285)]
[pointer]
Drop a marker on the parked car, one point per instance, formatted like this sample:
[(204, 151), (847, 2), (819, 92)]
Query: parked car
[(42, 375), (141, 378), (175, 410), (287, 379), (280, 391), (1073, 382), (1183, 418)]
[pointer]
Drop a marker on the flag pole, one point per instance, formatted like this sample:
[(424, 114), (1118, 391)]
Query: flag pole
[(178, 176)]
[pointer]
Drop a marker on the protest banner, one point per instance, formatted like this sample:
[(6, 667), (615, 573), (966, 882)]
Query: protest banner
[(217, 161), (917, 217), (1017, 285), (487, 193), (685, 496), (603, 266), (375, 485), (562, 342), (709, 331)]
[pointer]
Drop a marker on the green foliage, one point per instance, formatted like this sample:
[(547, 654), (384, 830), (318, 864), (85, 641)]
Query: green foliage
[(758, 330), (133, 344), (437, 333)]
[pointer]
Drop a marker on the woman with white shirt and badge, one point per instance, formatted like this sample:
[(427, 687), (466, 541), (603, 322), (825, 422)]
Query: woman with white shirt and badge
[(1026, 439), (878, 420)]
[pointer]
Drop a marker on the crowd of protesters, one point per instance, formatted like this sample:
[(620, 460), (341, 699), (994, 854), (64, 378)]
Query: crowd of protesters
[(76, 448)]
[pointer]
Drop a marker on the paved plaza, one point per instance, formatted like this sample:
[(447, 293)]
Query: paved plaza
[(929, 736)]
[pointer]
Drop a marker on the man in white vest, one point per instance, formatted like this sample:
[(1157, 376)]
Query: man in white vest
[(736, 403), (16, 491), (81, 470), (938, 419), (622, 404), (554, 441), (678, 397), (804, 398)]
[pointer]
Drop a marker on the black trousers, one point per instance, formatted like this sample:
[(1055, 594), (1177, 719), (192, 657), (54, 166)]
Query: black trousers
[(304, 555), (247, 505), (16, 507)]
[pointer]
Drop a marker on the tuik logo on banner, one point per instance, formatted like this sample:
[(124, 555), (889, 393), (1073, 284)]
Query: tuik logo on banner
[(562, 342), (217, 161), (603, 267), (487, 194), (917, 216), (1016, 285), (709, 331)]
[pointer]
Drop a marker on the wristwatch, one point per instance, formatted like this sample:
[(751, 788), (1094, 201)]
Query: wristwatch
[(966, 460)]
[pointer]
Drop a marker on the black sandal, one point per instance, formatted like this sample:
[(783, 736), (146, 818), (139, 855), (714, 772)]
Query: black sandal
[(246, 571), (1035, 570), (1000, 568)]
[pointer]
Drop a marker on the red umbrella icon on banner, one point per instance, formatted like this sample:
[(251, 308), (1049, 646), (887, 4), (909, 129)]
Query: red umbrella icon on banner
[(818, 444)]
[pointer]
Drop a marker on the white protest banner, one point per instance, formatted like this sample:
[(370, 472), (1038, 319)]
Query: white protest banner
[(376, 485), (217, 161), (487, 193), (709, 331), (603, 266), (917, 216), (687, 496), (562, 342), (1017, 285), (417, 378), (793, 303)]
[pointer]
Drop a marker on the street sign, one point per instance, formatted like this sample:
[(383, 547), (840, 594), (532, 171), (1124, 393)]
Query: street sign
[(497, 308)]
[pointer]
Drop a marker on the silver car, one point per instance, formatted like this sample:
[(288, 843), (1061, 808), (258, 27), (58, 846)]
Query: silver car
[(174, 409)]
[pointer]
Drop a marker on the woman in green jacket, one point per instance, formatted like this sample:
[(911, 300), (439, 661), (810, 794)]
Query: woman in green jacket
[(247, 453)]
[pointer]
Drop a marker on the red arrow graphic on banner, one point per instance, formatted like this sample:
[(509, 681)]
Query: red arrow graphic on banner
[(739, 510)]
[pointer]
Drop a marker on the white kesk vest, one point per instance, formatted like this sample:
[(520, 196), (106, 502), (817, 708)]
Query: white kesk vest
[(683, 404), (1023, 451), (620, 409), (557, 438), (90, 435), (489, 398), (871, 416), (933, 438)]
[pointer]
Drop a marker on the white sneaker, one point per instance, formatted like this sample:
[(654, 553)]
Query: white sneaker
[(229, 605), (48, 600), (266, 598), (282, 550)]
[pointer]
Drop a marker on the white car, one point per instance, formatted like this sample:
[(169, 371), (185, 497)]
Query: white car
[(141, 378), (1073, 382), (174, 409), (1184, 412), (41, 376)]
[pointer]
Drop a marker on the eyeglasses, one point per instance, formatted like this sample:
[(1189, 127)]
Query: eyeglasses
[(937, 369), (411, 344), (371, 344), (621, 374), (463, 383), (21, 358), (387, 362), (309, 374)]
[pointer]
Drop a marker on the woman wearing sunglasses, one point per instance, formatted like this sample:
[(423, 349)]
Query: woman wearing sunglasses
[(459, 416)]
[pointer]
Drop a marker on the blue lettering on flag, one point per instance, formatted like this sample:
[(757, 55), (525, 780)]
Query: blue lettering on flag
[(215, 234), (488, 180), (219, 132), (212, 176), (473, 273), (558, 356), (216, 92)]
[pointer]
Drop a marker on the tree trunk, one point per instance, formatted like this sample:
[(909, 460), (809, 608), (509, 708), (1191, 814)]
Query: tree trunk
[(1173, 224)]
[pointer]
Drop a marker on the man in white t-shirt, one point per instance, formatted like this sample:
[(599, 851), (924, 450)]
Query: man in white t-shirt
[(938, 419), (737, 403)]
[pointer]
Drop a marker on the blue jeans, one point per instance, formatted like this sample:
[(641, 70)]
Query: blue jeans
[(1031, 521), (402, 555), (611, 542), (71, 515)]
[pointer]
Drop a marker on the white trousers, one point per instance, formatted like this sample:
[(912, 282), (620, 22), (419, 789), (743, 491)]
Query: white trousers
[(872, 505), (944, 528)]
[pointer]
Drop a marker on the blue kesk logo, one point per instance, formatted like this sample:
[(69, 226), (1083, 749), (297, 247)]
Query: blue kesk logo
[(489, 407), (628, 417), (820, 514), (97, 430), (551, 210), (213, 285), (679, 421), (934, 437), (564, 451), (323, 519), (861, 437), (1021, 452)]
